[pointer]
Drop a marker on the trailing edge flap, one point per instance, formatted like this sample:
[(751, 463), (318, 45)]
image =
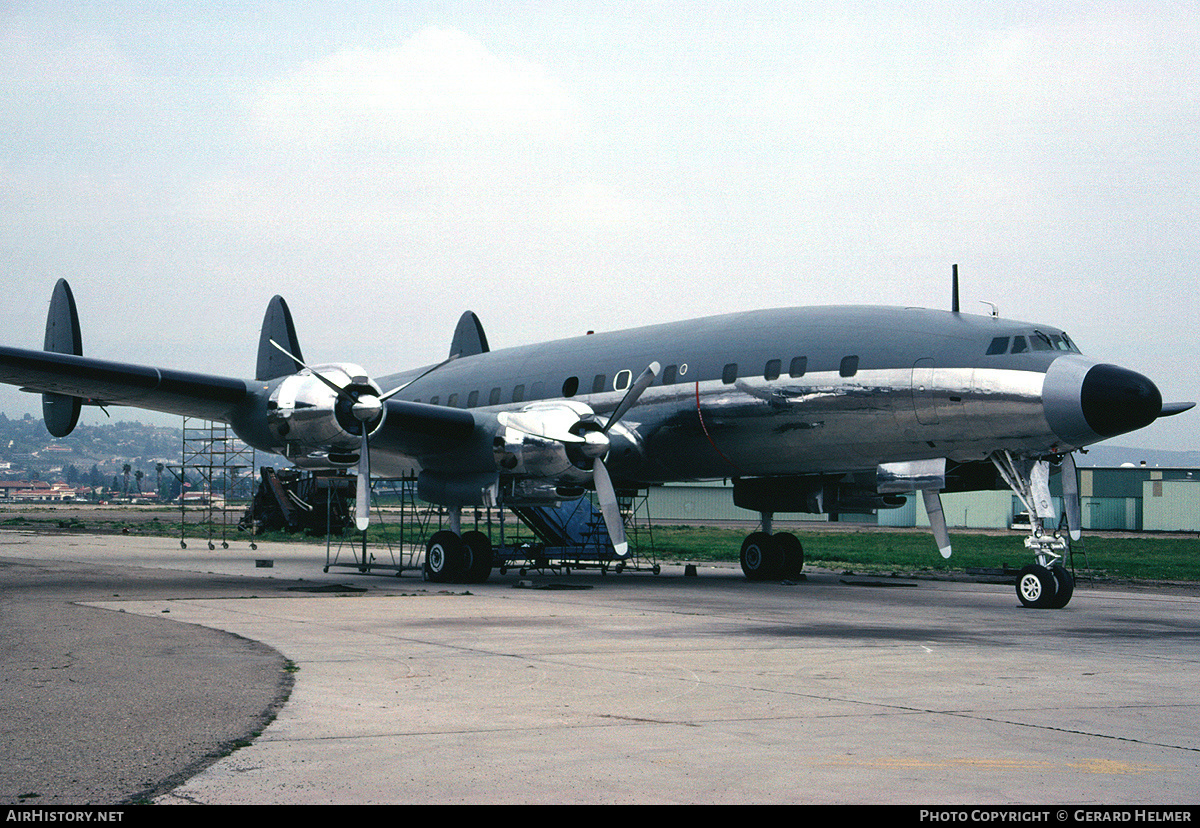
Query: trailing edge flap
[(469, 338), (59, 411), (277, 325)]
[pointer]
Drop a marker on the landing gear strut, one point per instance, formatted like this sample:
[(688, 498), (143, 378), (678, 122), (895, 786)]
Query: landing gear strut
[(1046, 584)]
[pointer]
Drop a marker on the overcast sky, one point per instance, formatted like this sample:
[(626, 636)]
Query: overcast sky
[(564, 166)]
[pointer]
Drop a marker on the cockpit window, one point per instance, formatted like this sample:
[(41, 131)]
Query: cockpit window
[(1036, 341)]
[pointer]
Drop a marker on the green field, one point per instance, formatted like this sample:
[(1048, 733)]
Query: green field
[(1151, 557)]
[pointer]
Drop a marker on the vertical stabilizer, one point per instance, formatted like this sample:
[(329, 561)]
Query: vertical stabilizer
[(469, 338), (277, 325), (59, 411)]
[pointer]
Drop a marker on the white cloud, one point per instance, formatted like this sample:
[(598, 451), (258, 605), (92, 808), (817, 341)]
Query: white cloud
[(440, 86)]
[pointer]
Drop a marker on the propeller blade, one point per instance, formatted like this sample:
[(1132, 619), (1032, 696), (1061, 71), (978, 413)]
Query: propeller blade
[(1070, 490), (362, 496), (631, 396), (610, 509), (399, 388), (937, 520), (341, 392)]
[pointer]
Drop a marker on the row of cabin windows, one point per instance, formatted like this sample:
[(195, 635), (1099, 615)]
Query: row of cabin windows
[(771, 371), (797, 368)]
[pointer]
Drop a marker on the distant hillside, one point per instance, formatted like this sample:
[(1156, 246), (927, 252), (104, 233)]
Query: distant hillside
[(27, 450)]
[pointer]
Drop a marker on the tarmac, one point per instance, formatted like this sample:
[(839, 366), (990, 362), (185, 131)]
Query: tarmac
[(135, 670)]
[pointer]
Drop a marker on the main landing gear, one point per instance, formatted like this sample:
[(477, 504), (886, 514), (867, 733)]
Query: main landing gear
[(458, 559), (772, 557)]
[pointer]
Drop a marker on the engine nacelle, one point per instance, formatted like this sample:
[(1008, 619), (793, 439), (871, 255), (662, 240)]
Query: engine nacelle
[(315, 425), (540, 441)]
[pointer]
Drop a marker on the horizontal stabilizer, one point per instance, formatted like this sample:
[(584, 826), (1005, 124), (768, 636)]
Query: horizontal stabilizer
[(469, 338), (277, 325)]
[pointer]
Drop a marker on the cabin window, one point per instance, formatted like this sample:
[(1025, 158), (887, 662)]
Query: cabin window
[(570, 387), (598, 383), (452, 401), (494, 397), (849, 366), (999, 346), (729, 374), (798, 367), (771, 371), (434, 400), (669, 374), (472, 399), (537, 390), (621, 380), (519, 393)]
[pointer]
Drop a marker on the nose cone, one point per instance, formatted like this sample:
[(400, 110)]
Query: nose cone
[(1086, 402), (1116, 400)]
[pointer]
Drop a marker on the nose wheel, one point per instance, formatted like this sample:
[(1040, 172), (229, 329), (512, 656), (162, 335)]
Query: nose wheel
[(1045, 587), (1046, 584)]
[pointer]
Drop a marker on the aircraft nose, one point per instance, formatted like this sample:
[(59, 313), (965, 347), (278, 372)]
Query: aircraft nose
[(1087, 401), (1116, 400)]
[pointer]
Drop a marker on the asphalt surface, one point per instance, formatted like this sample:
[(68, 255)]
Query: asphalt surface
[(134, 665), (105, 707)]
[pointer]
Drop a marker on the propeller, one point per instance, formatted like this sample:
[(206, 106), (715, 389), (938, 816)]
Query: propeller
[(596, 448), (587, 442), (937, 520), (366, 407)]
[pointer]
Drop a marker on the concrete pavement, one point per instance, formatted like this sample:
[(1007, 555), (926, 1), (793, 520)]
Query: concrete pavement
[(636, 688)]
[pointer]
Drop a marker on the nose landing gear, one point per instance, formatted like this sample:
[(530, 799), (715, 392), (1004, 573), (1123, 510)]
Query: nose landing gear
[(1046, 584)]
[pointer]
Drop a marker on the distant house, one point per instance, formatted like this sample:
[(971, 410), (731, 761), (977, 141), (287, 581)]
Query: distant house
[(39, 490)]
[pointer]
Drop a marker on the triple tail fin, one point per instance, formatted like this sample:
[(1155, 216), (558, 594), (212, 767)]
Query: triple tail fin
[(60, 412), (469, 338), (277, 325)]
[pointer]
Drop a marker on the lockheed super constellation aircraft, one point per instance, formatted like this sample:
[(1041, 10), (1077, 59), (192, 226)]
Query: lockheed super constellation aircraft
[(819, 410)]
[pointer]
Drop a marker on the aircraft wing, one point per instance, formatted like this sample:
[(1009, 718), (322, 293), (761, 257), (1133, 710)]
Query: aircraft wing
[(101, 382)]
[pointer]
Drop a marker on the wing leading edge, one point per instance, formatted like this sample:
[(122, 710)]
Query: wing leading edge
[(102, 382)]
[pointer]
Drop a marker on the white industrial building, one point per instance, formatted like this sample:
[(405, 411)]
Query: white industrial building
[(1129, 498)]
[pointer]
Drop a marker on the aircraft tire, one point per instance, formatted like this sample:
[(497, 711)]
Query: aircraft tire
[(1065, 583), (762, 557), (793, 553), (445, 555), (478, 550), (1036, 586)]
